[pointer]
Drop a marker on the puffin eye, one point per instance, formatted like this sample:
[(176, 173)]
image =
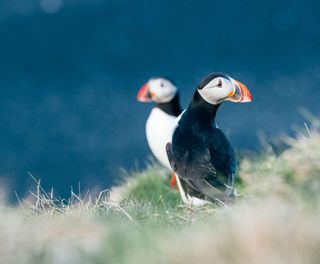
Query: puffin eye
[(219, 83), (161, 84)]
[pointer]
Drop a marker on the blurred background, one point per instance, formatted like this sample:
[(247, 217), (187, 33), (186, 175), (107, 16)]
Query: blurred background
[(70, 71)]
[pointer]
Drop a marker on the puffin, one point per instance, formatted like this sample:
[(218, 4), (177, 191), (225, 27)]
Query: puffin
[(200, 154), (162, 120)]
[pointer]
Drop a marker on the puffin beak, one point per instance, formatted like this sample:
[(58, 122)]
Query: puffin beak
[(143, 94), (241, 93)]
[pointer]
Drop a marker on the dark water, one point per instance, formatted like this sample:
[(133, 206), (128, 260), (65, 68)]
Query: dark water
[(70, 70)]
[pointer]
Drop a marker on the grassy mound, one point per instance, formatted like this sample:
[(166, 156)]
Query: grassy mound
[(274, 220), (151, 186)]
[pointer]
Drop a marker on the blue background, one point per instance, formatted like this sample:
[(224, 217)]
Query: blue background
[(70, 71)]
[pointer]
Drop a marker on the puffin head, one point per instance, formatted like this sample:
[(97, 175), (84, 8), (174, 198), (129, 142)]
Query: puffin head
[(219, 87), (158, 90)]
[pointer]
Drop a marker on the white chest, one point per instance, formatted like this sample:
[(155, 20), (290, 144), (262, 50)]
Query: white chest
[(159, 130)]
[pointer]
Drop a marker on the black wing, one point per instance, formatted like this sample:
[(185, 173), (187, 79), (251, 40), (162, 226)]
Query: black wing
[(223, 159), (171, 157), (222, 156), (198, 187), (207, 190), (215, 178)]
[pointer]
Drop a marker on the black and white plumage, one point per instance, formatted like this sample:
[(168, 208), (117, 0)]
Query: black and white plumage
[(200, 153), (162, 119)]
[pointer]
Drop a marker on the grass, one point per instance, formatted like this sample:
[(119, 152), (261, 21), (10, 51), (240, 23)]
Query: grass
[(275, 219)]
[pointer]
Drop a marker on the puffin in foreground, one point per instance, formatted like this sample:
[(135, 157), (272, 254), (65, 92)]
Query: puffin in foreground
[(200, 154), (162, 119)]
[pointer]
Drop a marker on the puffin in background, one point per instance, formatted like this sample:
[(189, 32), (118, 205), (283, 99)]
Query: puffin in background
[(162, 119), (200, 154)]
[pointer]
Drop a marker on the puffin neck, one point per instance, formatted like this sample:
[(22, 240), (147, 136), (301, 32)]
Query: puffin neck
[(172, 107), (206, 112)]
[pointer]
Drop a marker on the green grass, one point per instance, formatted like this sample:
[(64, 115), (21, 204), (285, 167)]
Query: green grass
[(275, 218), (152, 187)]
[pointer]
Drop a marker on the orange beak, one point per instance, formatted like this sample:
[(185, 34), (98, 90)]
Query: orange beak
[(143, 94), (241, 94)]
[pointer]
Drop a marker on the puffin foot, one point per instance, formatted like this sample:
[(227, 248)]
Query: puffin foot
[(173, 181)]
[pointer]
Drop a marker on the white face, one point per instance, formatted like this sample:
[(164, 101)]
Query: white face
[(161, 90), (218, 90)]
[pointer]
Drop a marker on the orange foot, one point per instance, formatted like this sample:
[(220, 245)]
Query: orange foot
[(173, 180)]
